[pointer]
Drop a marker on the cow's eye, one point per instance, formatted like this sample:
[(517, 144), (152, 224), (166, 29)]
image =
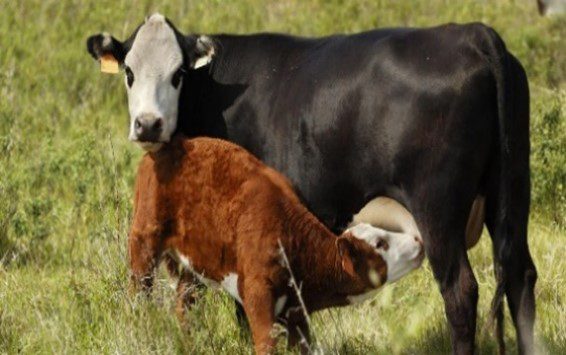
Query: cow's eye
[(177, 76), (129, 76)]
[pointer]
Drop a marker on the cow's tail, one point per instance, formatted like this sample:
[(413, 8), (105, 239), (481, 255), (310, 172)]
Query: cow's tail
[(502, 238)]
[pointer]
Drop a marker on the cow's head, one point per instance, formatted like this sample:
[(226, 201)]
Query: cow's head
[(400, 252), (155, 60)]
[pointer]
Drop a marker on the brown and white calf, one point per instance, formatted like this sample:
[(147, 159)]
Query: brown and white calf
[(226, 216)]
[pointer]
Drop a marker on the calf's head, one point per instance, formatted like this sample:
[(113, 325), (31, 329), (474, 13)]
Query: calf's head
[(155, 60), (377, 256)]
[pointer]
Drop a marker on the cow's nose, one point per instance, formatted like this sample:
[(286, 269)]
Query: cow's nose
[(148, 129)]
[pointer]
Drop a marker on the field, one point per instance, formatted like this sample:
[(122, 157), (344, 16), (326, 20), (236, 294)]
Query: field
[(67, 169)]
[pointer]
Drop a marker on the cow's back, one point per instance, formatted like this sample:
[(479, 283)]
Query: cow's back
[(346, 117)]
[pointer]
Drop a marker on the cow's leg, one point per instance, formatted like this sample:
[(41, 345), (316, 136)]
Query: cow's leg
[(144, 252), (514, 268), (446, 252), (520, 278), (259, 306), (441, 208), (507, 215)]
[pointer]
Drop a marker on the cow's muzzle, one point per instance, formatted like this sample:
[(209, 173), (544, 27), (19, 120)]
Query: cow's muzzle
[(147, 128)]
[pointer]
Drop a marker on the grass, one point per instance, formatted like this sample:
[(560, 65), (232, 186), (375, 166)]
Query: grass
[(66, 177)]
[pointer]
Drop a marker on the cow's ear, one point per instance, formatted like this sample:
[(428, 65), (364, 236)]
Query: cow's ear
[(103, 44), (202, 50)]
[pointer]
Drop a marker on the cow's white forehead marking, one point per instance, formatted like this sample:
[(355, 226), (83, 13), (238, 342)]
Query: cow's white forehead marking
[(156, 17), (155, 48)]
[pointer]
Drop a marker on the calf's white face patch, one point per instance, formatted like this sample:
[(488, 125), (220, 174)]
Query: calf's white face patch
[(402, 252), (153, 82)]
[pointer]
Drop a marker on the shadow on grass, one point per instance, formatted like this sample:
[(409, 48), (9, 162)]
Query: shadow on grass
[(436, 340)]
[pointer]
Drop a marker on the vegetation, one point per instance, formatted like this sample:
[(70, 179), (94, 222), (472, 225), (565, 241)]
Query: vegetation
[(66, 177)]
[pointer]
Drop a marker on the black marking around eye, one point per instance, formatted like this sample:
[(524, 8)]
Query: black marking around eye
[(129, 76), (177, 76)]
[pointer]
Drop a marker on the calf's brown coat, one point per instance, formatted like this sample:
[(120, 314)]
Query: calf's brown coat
[(220, 208)]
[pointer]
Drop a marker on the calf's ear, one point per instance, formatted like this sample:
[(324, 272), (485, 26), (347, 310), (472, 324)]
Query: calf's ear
[(103, 45), (347, 253), (201, 50)]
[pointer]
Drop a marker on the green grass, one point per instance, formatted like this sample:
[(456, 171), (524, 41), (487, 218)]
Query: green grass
[(66, 177)]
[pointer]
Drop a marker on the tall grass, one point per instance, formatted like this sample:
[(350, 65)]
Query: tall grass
[(66, 176)]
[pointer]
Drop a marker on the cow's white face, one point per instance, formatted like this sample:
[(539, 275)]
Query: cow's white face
[(155, 58), (153, 68), (402, 252)]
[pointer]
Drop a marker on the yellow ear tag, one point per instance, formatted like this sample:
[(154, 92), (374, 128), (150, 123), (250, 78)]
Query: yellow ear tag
[(109, 64)]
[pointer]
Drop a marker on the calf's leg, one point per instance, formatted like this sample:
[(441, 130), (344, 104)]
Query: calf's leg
[(298, 331), (260, 306), (241, 318), (186, 294), (144, 252)]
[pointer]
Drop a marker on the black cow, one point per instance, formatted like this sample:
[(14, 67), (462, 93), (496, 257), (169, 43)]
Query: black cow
[(432, 118)]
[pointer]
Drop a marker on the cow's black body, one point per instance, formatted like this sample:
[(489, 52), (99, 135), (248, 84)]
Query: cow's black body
[(430, 117), (348, 118)]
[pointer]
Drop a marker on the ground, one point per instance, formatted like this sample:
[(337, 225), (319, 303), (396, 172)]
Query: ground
[(66, 179)]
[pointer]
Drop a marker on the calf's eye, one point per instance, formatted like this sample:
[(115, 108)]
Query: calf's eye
[(382, 244)]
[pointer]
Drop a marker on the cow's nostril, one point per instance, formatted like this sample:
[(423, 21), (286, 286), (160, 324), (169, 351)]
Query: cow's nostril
[(137, 124), (158, 124)]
